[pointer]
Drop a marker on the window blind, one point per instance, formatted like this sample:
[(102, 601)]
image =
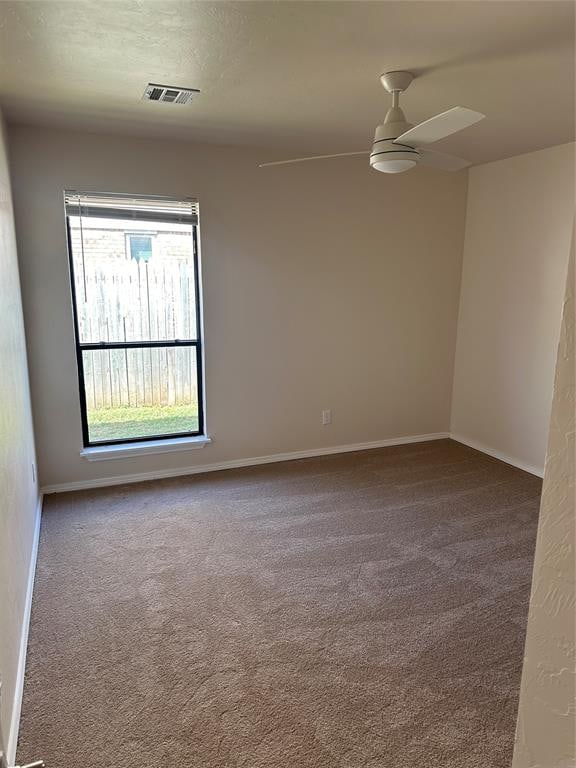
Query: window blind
[(144, 208)]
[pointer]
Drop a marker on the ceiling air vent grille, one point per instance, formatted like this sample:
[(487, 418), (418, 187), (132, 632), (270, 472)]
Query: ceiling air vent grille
[(169, 94)]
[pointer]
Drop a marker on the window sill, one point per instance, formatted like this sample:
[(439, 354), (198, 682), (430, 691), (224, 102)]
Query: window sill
[(127, 450)]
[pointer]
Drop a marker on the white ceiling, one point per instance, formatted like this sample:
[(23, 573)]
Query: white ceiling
[(293, 75)]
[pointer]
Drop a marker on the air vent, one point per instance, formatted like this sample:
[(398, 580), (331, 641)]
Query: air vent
[(169, 94)]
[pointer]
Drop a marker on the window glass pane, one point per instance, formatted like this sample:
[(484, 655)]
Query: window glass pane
[(140, 247), (134, 280), (140, 392)]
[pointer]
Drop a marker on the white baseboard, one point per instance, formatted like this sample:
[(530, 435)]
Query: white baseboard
[(19, 686), (103, 482), (236, 463), (538, 471)]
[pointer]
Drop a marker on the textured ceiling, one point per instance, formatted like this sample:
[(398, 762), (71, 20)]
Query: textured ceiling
[(293, 75)]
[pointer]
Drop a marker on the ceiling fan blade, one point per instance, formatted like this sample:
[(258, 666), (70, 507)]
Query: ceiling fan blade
[(314, 157), (438, 127), (442, 161)]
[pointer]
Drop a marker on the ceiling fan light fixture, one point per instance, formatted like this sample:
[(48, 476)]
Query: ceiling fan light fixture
[(388, 157), (393, 166)]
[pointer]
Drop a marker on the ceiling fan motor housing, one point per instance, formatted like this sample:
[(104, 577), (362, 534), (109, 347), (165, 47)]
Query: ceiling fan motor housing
[(386, 156), (394, 125)]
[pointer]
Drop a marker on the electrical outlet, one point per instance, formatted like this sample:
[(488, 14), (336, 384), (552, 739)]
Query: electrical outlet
[(326, 417)]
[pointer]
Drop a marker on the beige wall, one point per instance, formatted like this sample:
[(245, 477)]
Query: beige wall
[(18, 492), (518, 227), (326, 286), (546, 733)]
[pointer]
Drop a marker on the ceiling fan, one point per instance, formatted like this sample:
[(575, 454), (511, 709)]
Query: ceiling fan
[(399, 146)]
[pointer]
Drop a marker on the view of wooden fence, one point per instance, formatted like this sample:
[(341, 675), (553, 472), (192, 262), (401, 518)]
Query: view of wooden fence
[(123, 299)]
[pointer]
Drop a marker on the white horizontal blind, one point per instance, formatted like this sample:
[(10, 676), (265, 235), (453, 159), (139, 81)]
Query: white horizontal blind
[(141, 208)]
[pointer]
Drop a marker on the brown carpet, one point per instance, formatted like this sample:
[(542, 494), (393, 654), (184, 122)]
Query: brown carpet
[(362, 611)]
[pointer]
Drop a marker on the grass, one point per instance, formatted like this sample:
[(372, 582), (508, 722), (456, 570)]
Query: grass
[(141, 421)]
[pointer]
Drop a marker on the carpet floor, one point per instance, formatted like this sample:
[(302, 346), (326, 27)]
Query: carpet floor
[(363, 610)]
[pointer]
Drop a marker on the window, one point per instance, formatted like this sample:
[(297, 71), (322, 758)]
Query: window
[(136, 300), (139, 246)]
